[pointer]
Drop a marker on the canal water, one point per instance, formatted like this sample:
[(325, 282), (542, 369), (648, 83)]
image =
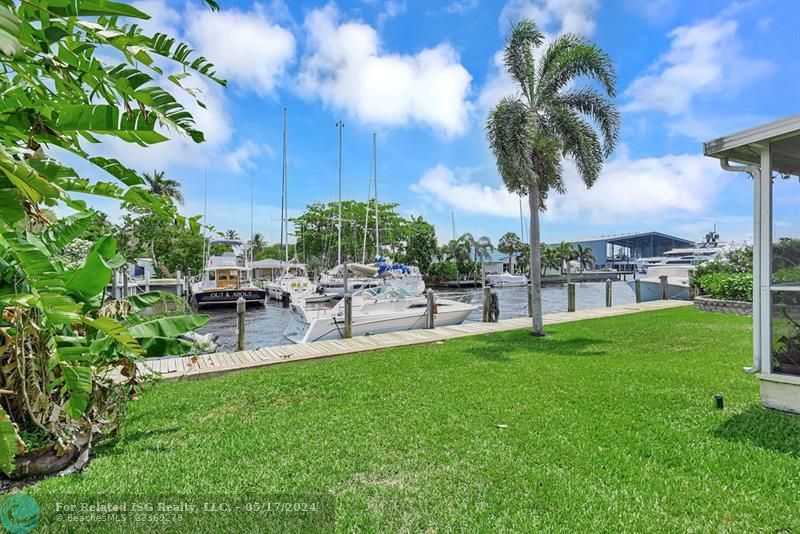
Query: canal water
[(264, 326)]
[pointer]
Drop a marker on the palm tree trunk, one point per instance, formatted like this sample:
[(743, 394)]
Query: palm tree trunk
[(536, 263)]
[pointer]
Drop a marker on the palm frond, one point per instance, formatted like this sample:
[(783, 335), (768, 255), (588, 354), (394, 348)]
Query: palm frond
[(518, 55), (508, 131), (569, 57), (578, 140), (600, 109)]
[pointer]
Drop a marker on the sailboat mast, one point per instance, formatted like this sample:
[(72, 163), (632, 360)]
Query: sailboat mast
[(375, 176), (340, 125), (453, 216), (205, 214), (285, 198)]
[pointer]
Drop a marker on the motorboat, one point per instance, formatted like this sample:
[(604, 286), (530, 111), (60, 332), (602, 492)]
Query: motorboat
[(360, 276), (226, 278), (375, 310), (293, 281), (401, 276), (506, 279), (677, 282)]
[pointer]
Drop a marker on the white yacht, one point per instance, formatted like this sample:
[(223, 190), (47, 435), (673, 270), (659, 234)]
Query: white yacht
[(226, 278), (675, 265), (401, 276), (375, 311), (360, 276), (506, 279)]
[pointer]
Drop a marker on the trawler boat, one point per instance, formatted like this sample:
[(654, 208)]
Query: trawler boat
[(506, 279), (226, 278), (374, 311)]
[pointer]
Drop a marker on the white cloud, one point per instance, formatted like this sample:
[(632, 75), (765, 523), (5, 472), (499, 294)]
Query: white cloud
[(163, 18), (459, 7), (242, 157), (391, 9), (347, 69), (650, 188), (553, 17), (704, 59), (245, 46)]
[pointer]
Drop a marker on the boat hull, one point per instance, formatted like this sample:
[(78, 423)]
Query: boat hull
[(302, 330), (651, 290), (229, 297)]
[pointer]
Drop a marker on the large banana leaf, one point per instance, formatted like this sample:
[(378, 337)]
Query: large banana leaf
[(116, 331), (9, 32), (90, 8), (78, 383), (88, 281), (133, 126), (8, 443), (165, 346), (143, 301), (64, 231), (168, 326)]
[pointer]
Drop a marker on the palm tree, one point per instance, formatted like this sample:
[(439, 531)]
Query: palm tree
[(550, 258), (257, 244), (584, 255), (565, 254), (483, 248), (231, 234), (510, 244), (162, 186), (551, 117)]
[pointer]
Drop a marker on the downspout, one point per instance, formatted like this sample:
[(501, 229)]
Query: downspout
[(755, 172)]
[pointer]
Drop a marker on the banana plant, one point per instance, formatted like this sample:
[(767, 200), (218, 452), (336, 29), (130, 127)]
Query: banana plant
[(63, 345)]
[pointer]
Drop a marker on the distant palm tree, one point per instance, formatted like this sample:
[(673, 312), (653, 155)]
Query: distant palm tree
[(231, 234), (550, 258), (566, 254), (162, 186), (584, 256), (548, 118), (257, 244)]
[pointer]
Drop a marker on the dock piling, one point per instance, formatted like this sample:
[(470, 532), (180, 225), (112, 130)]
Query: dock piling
[(431, 310), (348, 315), (241, 306), (637, 284), (487, 300), (114, 284), (608, 293), (664, 287), (125, 281), (530, 299), (178, 285), (147, 281), (571, 297)]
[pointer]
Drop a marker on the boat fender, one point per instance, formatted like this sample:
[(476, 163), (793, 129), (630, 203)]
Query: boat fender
[(286, 298), (494, 307)]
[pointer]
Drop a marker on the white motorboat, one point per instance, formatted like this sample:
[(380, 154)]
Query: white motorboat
[(331, 282), (506, 279), (401, 276), (374, 311), (293, 281), (226, 278), (677, 282)]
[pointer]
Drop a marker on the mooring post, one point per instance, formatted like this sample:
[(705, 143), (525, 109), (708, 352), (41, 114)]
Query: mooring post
[(487, 301), (241, 306), (530, 299), (178, 285), (344, 278), (114, 282), (124, 280), (608, 293), (348, 315), (147, 281), (664, 287), (431, 311), (188, 282), (637, 284), (571, 297)]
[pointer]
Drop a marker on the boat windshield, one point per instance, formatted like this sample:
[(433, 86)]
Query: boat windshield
[(386, 292)]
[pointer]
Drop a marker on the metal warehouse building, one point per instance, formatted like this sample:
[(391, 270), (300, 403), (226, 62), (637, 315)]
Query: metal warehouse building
[(620, 251)]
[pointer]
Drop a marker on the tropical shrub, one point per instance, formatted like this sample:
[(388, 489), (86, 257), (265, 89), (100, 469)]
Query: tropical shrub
[(787, 275), (67, 355), (727, 286), (730, 261), (442, 271)]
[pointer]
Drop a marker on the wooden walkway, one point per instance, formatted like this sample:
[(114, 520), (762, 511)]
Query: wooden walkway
[(224, 362)]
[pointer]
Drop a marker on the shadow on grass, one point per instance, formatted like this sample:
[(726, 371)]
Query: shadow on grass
[(113, 447), (764, 428), (495, 347)]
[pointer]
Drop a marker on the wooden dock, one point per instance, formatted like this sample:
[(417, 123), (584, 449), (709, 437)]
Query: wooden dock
[(206, 365)]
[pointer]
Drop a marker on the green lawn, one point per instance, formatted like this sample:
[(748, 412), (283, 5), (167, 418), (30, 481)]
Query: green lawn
[(606, 425)]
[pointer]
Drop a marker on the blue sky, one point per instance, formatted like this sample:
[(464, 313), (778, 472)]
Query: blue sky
[(422, 74)]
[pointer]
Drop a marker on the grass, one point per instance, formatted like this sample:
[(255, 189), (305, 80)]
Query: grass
[(605, 425)]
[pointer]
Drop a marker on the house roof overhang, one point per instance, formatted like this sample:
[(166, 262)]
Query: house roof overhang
[(782, 136)]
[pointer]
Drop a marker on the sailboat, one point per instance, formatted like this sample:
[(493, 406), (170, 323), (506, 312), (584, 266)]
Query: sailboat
[(293, 280)]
